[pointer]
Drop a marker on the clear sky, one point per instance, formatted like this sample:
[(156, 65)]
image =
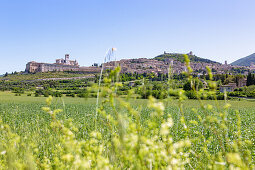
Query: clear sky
[(43, 30)]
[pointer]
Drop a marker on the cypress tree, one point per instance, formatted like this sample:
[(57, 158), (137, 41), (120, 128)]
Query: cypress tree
[(253, 79), (250, 79)]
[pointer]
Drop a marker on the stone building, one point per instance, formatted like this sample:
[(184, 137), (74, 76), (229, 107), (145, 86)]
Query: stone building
[(242, 82), (67, 61), (60, 65), (228, 88), (33, 67)]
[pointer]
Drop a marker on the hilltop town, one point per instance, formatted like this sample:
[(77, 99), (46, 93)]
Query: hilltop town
[(159, 64)]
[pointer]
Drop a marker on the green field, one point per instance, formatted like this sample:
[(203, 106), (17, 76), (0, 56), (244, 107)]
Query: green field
[(26, 118)]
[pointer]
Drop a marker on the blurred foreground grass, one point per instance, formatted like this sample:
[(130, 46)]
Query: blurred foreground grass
[(26, 118)]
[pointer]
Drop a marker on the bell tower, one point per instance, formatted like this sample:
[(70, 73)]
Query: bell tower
[(67, 58)]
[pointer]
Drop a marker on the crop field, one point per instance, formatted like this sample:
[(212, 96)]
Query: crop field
[(38, 135)]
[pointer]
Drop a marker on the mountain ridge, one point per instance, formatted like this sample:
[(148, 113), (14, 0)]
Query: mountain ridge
[(245, 61)]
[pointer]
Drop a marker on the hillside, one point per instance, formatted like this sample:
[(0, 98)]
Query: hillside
[(45, 76), (180, 58), (246, 61)]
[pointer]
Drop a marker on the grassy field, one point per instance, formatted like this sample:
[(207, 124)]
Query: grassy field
[(26, 118), (24, 112)]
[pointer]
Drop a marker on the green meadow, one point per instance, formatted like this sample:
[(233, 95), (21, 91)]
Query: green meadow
[(26, 118), (25, 115)]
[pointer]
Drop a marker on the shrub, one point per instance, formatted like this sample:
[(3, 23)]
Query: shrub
[(71, 95), (83, 95), (37, 95), (46, 94), (191, 94), (57, 94)]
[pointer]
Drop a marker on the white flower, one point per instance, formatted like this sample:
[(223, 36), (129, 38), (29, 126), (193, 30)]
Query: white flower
[(160, 106), (165, 127)]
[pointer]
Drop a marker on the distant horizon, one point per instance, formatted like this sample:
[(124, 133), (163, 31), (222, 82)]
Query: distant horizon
[(72, 58), (45, 30)]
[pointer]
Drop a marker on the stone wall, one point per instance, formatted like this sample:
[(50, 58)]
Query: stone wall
[(55, 67), (91, 69), (33, 67)]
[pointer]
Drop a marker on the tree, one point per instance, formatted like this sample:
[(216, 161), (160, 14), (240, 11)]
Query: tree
[(250, 79), (6, 74), (197, 84)]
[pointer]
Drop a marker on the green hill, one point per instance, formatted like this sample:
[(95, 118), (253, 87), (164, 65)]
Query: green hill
[(180, 57), (246, 61)]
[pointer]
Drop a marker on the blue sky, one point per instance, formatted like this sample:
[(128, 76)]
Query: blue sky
[(43, 30)]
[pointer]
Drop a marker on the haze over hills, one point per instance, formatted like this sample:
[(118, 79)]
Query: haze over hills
[(246, 61)]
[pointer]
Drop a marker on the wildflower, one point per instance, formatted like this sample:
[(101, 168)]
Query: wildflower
[(209, 107), (49, 100), (234, 158), (3, 152), (67, 157), (174, 161), (159, 106), (165, 128), (193, 122), (227, 106), (46, 109)]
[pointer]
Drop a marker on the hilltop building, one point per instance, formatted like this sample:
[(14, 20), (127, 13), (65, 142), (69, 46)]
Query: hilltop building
[(190, 53), (66, 61), (60, 65)]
